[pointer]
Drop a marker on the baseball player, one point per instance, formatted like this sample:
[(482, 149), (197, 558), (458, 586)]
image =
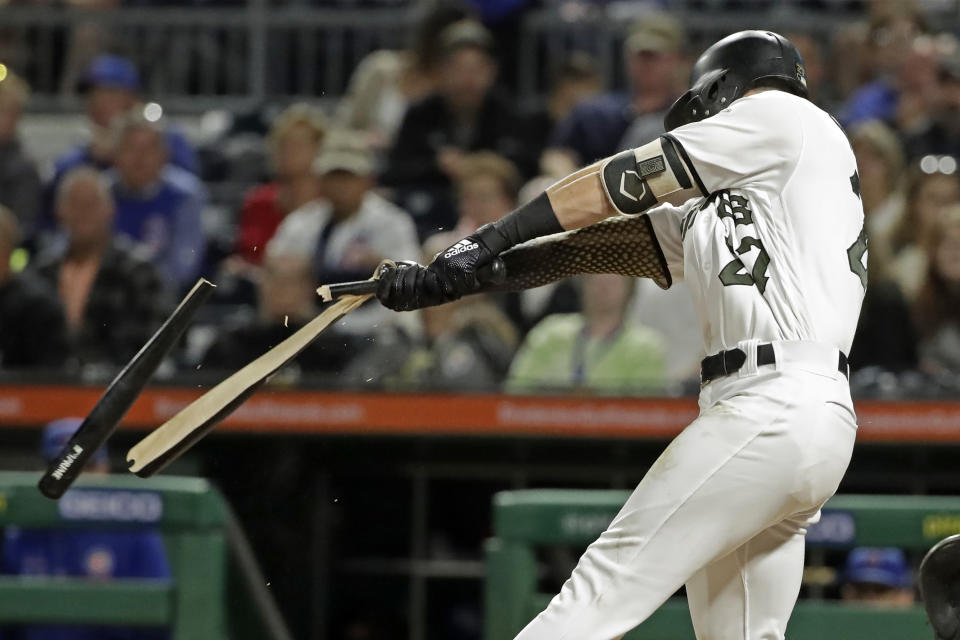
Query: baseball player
[(753, 196)]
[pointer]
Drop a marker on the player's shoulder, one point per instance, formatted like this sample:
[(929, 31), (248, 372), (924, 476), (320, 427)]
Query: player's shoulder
[(771, 104), (774, 104)]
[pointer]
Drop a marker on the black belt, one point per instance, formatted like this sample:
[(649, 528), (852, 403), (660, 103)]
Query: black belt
[(730, 361)]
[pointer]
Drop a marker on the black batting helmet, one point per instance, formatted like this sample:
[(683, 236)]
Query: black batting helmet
[(733, 66)]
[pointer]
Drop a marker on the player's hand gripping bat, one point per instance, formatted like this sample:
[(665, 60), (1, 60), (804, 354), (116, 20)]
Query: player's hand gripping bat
[(623, 245), (120, 396)]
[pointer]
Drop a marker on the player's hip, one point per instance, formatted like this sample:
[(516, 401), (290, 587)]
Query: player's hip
[(779, 372)]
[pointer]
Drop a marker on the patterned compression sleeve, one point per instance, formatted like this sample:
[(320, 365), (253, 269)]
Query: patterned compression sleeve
[(624, 245)]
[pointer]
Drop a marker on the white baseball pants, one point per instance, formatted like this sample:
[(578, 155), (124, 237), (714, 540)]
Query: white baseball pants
[(723, 510)]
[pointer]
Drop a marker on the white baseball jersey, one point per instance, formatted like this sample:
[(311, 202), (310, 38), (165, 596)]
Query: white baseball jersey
[(776, 250)]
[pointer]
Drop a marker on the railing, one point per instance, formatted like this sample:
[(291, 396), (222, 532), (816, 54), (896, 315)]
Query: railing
[(317, 412), (195, 58), (523, 519), (199, 529)]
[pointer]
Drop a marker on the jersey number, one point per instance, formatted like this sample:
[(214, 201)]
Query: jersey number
[(735, 272)]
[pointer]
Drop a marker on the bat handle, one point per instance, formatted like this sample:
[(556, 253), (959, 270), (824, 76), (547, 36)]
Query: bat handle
[(493, 273)]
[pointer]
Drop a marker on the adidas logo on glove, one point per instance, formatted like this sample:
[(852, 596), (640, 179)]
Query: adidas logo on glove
[(461, 247)]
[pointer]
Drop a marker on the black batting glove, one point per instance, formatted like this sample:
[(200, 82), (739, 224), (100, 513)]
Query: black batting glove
[(456, 267), (408, 286)]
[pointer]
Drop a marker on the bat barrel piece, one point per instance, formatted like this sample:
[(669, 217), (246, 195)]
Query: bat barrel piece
[(120, 396), (168, 441), (493, 273)]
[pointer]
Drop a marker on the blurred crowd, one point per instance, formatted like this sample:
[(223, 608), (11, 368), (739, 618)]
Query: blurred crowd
[(426, 145)]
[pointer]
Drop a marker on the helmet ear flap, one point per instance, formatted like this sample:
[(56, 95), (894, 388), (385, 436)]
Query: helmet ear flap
[(683, 111), (705, 98)]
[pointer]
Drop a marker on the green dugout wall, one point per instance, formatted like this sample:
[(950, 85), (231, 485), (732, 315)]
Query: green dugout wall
[(198, 529), (525, 519)]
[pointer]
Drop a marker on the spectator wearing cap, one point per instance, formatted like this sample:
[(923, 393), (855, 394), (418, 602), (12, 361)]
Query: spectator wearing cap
[(111, 87), (892, 49), (157, 204), (20, 189), (465, 114), (100, 553), (348, 231), (294, 142), (33, 334), (611, 122), (113, 297), (877, 576)]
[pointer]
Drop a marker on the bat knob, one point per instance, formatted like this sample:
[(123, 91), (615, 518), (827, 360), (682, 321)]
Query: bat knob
[(493, 273)]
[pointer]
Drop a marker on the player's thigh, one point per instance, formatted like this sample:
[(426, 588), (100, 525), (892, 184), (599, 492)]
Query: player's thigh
[(749, 593), (717, 485)]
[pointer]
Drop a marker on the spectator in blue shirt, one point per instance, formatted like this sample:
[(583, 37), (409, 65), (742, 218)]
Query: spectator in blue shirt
[(157, 204), (111, 86), (904, 80), (94, 553), (611, 122)]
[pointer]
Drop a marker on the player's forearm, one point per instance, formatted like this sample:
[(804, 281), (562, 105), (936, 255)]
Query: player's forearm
[(579, 199), (575, 201)]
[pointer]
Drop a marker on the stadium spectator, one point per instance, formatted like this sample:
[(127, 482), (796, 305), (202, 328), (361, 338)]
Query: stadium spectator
[(932, 186), (672, 315), (890, 45), (346, 233), (33, 333), (601, 126), (574, 81), (113, 297), (294, 142), (20, 188), (111, 87), (939, 132), (938, 304), (880, 168), (877, 576), (465, 114), (466, 346), (886, 337), (100, 554), (286, 301), (595, 351), (386, 82), (157, 204), (486, 188)]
